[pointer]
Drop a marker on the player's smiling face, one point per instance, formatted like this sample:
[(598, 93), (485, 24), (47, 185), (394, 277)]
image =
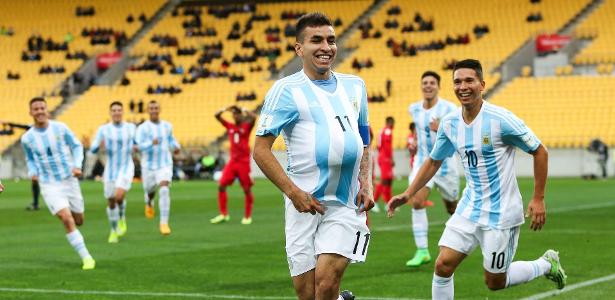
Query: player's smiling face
[(154, 111), (117, 112), (429, 87), (38, 111), (468, 87), (317, 49)]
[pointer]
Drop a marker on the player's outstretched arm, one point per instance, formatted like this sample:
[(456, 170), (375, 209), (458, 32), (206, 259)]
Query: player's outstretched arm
[(303, 201), (1, 187), (426, 172), (536, 208)]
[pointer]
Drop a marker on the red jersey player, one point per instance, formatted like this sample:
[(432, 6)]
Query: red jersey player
[(239, 164), (385, 161)]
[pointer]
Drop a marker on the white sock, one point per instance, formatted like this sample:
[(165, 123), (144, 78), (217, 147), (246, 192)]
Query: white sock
[(165, 204), (420, 227), (523, 271), (114, 215), (442, 288), (340, 297), (122, 210), (75, 239)]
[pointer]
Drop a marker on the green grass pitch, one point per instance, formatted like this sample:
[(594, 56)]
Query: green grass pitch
[(249, 262)]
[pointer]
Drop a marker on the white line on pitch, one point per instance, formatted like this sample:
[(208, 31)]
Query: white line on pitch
[(162, 294), (571, 287)]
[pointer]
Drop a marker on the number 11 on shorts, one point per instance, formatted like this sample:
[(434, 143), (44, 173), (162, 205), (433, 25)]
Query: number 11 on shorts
[(356, 244)]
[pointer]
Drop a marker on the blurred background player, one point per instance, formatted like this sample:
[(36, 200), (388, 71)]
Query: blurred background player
[(426, 115), (385, 163), (239, 164), (36, 189), (155, 141), (117, 137), (54, 157)]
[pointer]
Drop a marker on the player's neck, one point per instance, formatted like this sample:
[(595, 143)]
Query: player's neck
[(41, 125), (429, 103), (470, 111), (118, 123), (314, 75)]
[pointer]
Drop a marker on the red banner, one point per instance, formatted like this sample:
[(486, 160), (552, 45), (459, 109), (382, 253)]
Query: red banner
[(105, 60), (551, 42)]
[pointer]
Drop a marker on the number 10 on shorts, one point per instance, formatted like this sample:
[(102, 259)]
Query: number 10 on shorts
[(361, 246)]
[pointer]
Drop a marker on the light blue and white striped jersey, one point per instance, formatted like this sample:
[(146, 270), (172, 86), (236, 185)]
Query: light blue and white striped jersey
[(426, 138), (52, 152), (118, 141), (321, 132), (154, 157), (487, 150)]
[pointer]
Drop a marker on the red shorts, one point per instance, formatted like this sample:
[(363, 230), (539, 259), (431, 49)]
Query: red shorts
[(386, 169), (239, 170)]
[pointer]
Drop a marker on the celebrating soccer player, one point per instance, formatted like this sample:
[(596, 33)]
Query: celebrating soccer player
[(117, 137), (322, 116), (155, 141), (426, 115), (490, 212), (239, 164), (54, 157)]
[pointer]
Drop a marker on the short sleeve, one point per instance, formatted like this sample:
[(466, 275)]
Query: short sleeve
[(279, 110), (516, 133), (443, 148), (363, 112)]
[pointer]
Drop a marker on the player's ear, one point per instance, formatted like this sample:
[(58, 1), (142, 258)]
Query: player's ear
[(298, 49), (482, 85)]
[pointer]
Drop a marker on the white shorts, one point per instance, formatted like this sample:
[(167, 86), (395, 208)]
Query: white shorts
[(123, 183), (63, 194), (153, 178), (497, 245), (448, 185), (341, 230)]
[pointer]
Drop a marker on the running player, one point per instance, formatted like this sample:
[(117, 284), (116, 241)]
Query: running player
[(385, 162)]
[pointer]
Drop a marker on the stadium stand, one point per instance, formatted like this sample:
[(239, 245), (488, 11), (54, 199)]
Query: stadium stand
[(565, 112), (599, 28), (191, 111), (506, 33), (60, 31)]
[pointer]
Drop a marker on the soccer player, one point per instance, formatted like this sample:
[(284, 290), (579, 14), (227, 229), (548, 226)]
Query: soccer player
[(322, 116), (117, 137), (54, 158), (426, 115), (155, 141), (490, 212), (239, 164), (385, 162)]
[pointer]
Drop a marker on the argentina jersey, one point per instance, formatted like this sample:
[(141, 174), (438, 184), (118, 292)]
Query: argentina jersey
[(118, 141), (487, 150), (52, 152), (154, 157), (320, 130), (426, 138)]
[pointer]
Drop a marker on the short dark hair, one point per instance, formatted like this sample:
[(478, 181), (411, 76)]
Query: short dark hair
[(412, 126), (314, 19), (470, 64), (37, 99), (389, 119), (116, 103), (433, 74), (152, 102)]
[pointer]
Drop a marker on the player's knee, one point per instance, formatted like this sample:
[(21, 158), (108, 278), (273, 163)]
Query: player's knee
[(444, 268), (222, 188), (164, 183), (495, 284)]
